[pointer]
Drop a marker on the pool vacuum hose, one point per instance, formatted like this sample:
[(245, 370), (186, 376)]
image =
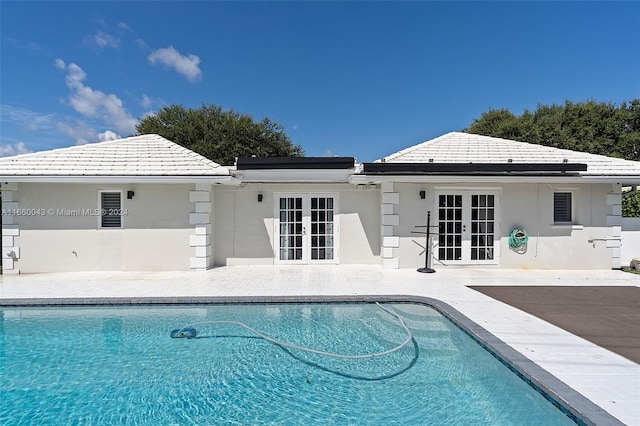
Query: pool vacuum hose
[(189, 332)]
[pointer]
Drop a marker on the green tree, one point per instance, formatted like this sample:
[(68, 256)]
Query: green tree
[(631, 204), (500, 123), (595, 127), (218, 134)]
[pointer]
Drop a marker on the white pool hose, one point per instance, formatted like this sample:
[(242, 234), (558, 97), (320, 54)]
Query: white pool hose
[(315, 351)]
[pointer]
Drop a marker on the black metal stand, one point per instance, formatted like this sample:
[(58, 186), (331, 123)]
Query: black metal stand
[(426, 269)]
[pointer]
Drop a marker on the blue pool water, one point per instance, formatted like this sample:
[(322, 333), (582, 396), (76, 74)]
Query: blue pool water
[(119, 365)]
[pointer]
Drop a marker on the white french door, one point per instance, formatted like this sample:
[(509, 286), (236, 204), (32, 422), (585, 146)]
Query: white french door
[(306, 228), (467, 227)]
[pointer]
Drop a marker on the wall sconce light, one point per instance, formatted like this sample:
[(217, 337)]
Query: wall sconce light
[(130, 195), (259, 198), (423, 195)]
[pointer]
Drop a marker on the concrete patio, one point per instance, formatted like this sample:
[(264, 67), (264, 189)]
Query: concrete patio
[(609, 380)]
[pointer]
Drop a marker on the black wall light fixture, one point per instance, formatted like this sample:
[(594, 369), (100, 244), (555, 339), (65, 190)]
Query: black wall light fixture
[(423, 195), (130, 195), (259, 198)]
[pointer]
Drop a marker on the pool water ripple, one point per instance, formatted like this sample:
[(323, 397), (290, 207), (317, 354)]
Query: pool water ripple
[(119, 366)]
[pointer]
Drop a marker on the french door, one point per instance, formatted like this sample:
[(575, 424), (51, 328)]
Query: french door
[(306, 228), (467, 227)]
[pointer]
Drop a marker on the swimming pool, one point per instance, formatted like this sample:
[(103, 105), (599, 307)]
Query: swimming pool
[(117, 365)]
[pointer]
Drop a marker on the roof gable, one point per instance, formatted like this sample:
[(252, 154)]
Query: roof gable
[(465, 148), (137, 156)]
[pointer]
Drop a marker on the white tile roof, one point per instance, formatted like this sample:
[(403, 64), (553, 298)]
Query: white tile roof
[(145, 155), (456, 147)]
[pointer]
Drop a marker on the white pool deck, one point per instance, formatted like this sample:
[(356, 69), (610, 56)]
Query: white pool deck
[(607, 379)]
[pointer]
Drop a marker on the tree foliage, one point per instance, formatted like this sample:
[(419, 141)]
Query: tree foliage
[(631, 204), (218, 134), (595, 127)]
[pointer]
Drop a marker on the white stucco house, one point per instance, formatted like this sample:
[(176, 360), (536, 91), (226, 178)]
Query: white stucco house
[(145, 203), (155, 193)]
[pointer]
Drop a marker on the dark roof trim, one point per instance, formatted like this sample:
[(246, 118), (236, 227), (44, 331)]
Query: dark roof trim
[(271, 163), (470, 168)]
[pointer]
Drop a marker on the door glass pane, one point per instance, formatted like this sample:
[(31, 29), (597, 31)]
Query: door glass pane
[(321, 228), (482, 225), (290, 228), (450, 227)]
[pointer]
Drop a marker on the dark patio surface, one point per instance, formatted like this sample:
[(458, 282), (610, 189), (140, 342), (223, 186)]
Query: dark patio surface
[(606, 316)]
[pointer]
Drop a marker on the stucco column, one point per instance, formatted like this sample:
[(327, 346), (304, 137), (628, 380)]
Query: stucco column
[(200, 218), (390, 241), (614, 220), (10, 229)]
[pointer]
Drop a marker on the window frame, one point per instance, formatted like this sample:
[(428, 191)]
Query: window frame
[(572, 193), (101, 208)]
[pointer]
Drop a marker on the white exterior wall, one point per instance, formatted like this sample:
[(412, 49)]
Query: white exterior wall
[(244, 228), (172, 227), (630, 240), (155, 233), (581, 246), (589, 244), (360, 225)]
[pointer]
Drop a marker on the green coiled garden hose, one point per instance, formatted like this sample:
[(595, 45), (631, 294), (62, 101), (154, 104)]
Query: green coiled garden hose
[(518, 238)]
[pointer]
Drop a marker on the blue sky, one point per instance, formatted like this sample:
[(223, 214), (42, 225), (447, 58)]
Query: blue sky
[(362, 79)]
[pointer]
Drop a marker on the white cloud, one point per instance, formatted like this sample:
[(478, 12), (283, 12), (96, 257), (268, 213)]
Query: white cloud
[(21, 44), (80, 131), (102, 40), (26, 118), (142, 44), (146, 101), (108, 136), (94, 103), (15, 149), (187, 65), (60, 64), (124, 26)]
